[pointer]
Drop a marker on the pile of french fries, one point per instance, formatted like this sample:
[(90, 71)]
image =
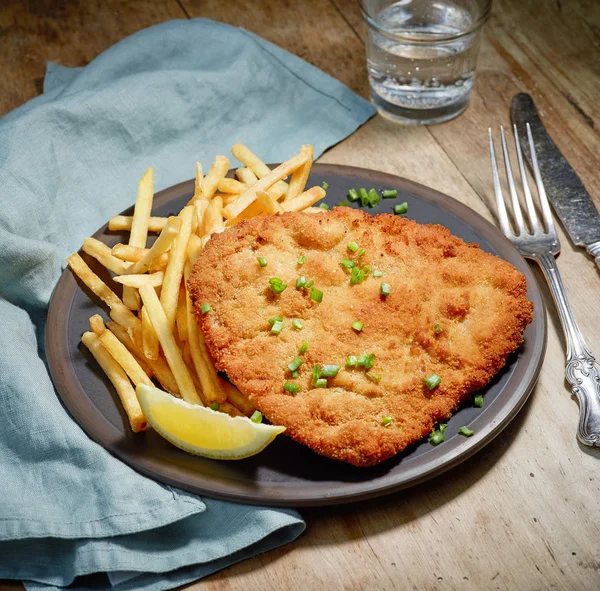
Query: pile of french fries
[(153, 333)]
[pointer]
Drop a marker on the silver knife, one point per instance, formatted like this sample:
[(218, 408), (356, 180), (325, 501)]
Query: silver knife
[(570, 199)]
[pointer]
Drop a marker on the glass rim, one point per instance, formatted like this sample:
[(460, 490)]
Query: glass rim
[(474, 28)]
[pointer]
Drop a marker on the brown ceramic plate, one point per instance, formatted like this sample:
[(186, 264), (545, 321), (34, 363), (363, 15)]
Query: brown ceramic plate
[(286, 473)]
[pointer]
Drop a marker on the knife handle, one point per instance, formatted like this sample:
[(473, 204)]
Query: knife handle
[(582, 370), (594, 250)]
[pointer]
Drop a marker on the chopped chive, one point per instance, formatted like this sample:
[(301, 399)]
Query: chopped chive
[(436, 437), (301, 260), (373, 198), (309, 284), (366, 270), (351, 361), (214, 406), (358, 276), (401, 208), (277, 285), (433, 381), (325, 185), (295, 374), (364, 197), (295, 364), (466, 431), (361, 252), (291, 387), (256, 417), (321, 383), (353, 246), (374, 377), (377, 273), (385, 289), (443, 427), (347, 263), (362, 359), (369, 361), (262, 261), (389, 193), (386, 421), (316, 294), (343, 204), (205, 308), (316, 372), (478, 400), (301, 282), (304, 347), (357, 325), (437, 329), (273, 320), (277, 327), (353, 195), (297, 324), (324, 206), (330, 371)]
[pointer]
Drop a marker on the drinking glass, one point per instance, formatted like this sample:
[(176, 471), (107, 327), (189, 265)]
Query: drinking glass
[(421, 56)]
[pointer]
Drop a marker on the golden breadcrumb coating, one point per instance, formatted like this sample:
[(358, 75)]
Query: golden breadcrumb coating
[(477, 299)]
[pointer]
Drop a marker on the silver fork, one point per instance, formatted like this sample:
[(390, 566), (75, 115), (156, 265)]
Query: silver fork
[(582, 370)]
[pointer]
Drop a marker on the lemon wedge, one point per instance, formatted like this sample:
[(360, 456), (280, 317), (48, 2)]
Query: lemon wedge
[(202, 431)]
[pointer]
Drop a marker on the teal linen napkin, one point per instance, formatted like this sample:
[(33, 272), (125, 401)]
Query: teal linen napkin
[(69, 159)]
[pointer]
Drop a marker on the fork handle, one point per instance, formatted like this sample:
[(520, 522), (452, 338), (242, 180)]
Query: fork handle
[(582, 370), (594, 250)]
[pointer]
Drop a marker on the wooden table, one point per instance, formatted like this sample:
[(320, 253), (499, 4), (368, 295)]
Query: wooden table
[(525, 512)]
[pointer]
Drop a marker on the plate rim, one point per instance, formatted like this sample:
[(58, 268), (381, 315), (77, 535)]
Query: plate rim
[(97, 426)]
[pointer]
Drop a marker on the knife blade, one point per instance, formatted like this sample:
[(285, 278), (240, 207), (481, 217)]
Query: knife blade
[(567, 194)]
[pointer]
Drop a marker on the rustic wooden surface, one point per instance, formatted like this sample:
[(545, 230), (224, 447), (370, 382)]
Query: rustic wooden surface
[(525, 512)]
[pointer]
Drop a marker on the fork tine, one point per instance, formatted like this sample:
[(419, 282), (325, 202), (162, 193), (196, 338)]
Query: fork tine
[(511, 186), (502, 215), (533, 218), (546, 213)]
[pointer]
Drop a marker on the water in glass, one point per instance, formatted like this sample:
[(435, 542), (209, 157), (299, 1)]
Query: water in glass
[(421, 63)]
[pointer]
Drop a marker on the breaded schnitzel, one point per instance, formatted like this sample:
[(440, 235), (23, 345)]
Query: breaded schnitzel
[(452, 310)]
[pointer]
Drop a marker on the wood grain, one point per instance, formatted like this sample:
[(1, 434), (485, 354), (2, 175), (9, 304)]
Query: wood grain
[(525, 512)]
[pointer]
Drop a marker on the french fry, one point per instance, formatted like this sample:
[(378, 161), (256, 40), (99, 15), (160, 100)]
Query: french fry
[(100, 289), (125, 359), (117, 376), (228, 198), (281, 172), (267, 204), (165, 336), (231, 186), (254, 163), (157, 367), (205, 369), (194, 248), (150, 344), (122, 223), (246, 176), (313, 210), (304, 200), (181, 317), (300, 177), (216, 173), (154, 279), (213, 219), (103, 255), (133, 254), (174, 271), (160, 246), (199, 182), (139, 228), (97, 324), (235, 397), (229, 409)]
